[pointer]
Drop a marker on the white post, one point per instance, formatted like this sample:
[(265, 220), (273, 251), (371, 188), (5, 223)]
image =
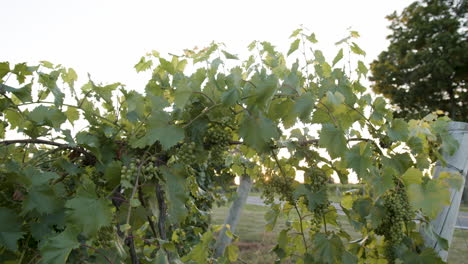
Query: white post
[(445, 222), (234, 215)]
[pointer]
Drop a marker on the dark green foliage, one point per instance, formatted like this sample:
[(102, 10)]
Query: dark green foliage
[(425, 67)]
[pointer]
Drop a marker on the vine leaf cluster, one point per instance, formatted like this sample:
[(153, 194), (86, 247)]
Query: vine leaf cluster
[(104, 174)]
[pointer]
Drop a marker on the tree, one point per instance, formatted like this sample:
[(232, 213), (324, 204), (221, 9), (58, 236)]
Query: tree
[(425, 67), (104, 174)]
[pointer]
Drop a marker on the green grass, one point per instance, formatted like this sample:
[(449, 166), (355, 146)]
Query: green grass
[(464, 208), (255, 244)]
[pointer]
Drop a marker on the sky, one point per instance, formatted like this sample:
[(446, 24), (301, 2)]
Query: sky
[(107, 38)]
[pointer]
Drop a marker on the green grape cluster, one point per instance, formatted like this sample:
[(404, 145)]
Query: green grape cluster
[(398, 212), (218, 138), (317, 178), (315, 223), (149, 169), (186, 153), (104, 237), (278, 185), (128, 173)]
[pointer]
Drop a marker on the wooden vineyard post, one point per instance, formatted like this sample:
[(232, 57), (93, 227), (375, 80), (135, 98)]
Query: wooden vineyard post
[(444, 224)]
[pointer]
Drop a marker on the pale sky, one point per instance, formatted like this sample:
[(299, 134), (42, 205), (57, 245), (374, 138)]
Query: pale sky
[(107, 38)]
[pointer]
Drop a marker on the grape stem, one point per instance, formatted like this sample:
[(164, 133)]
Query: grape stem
[(98, 251), (295, 205), (47, 142)]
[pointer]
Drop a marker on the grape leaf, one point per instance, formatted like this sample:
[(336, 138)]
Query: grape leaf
[(398, 130), (304, 106), (49, 81), (232, 252), (23, 93), (41, 197), (69, 76), (314, 199), (362, 69), (143, 65), (176, 192), (87, 211), (430, 198), (356, 49), (229, 56), (56, 250), (168, 136), (161, 257), (333, 140), (294, 46), (412, 176), (47, 116), (182, 93), (326, 69), (400, 162), (338, 57), (10, 229), (427, 256), (72, 114), (381, 182), (312, 38), (230, 97), (257, 131), (359, 158), (4, 69), (328, 250)]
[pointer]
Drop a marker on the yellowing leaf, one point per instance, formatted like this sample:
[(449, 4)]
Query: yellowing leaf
[(430, 198), (232, 252), (412, 176), (72, 114)]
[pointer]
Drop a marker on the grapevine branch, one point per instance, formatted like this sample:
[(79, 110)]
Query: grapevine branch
[(47, 142), (130, 243)]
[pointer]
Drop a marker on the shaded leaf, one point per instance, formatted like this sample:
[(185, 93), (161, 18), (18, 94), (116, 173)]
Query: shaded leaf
[(176, 192), (56, 250), (10, 229), (88, 212)]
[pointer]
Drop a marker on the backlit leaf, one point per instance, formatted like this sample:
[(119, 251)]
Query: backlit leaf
[(257, 131), (333, 140), (294, 46), (88, 212)]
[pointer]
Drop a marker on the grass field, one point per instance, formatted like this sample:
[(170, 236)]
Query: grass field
[(255, 244)]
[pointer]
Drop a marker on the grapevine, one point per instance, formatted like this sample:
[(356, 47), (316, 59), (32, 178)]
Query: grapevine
[(102, 173)]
